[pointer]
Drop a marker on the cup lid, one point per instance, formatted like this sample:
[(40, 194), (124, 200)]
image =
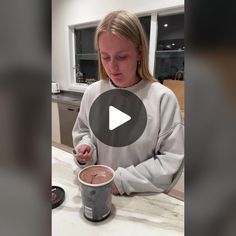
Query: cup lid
[(57, 196)]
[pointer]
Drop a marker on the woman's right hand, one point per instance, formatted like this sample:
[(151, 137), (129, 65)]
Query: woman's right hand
[(84, 153)]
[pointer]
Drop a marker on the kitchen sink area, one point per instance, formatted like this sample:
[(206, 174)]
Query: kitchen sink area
[(67, 97)]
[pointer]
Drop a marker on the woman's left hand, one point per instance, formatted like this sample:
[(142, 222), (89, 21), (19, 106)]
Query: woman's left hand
[(115, 190)]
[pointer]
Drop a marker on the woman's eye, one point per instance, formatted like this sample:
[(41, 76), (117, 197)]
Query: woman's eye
[(105, 58), (121, 57)]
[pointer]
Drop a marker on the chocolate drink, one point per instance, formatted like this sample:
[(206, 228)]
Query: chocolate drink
[(96, 175)]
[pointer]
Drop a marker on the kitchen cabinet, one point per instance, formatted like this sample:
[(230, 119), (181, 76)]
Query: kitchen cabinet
[(56, 136), (177, 87), (65, 108), (67, 116)]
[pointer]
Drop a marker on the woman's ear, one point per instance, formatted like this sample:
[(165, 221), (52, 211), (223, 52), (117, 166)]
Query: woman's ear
[(139, 53)]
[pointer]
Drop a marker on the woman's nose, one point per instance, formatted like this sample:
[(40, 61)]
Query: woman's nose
[(113, 65)]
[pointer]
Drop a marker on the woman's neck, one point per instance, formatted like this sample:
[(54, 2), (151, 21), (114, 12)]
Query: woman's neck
[(135, 82)]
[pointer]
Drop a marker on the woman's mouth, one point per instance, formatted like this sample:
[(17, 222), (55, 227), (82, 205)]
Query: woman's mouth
[(115, 74)]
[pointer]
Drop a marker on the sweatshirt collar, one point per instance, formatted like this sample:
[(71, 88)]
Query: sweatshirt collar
[(132, 88)]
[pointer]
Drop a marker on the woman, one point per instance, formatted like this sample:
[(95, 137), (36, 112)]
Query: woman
[(151, 162)]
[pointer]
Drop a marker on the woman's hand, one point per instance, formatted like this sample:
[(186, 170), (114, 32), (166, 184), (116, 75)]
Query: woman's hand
[(84, 153), (115, 190)]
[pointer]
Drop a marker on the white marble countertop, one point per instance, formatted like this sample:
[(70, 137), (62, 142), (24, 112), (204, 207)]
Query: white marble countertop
[(149, 214)]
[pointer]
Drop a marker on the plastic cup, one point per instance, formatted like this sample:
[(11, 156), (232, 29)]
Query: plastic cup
[(96, 191)]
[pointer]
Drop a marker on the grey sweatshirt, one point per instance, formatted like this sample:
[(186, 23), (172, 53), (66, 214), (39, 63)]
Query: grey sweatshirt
[(153, 161)]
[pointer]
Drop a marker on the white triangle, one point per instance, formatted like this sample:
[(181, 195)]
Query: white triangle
[(117, 118)]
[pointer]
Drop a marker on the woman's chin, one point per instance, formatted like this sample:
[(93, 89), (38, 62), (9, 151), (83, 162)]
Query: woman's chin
[(118, 81)]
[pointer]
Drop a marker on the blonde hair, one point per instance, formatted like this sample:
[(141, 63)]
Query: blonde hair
[(123, 23)]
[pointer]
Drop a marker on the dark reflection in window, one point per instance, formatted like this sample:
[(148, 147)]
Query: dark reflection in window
[(169, 63)]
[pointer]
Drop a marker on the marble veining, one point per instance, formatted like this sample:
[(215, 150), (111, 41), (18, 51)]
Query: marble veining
[(139, 214)]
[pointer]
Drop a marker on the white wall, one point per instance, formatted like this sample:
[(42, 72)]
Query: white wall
[(72, 12)]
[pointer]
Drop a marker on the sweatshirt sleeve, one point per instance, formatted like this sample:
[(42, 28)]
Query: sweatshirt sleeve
[(158, 173), (81, 133)]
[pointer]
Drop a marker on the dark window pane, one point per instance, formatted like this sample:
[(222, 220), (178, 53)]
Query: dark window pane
[(146, 21), (86, 67), (169, 62), (86, 70), (85, 40)]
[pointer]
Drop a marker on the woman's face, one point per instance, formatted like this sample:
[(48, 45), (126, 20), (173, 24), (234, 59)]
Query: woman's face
[(119, 58)]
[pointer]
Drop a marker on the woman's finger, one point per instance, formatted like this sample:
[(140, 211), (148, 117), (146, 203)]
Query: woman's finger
[(90, 152), (82, 148)]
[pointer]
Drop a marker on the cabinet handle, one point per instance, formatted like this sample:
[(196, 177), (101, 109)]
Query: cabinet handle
[(70, 109)]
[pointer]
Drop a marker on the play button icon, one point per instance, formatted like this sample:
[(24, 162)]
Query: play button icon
[(117, 117)]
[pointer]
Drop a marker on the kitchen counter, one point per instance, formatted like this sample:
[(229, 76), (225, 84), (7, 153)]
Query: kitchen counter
[(146, 214), (67, 97)]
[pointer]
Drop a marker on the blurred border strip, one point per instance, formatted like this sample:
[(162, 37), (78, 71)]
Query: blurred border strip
[(25, 118), (210, 118)]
